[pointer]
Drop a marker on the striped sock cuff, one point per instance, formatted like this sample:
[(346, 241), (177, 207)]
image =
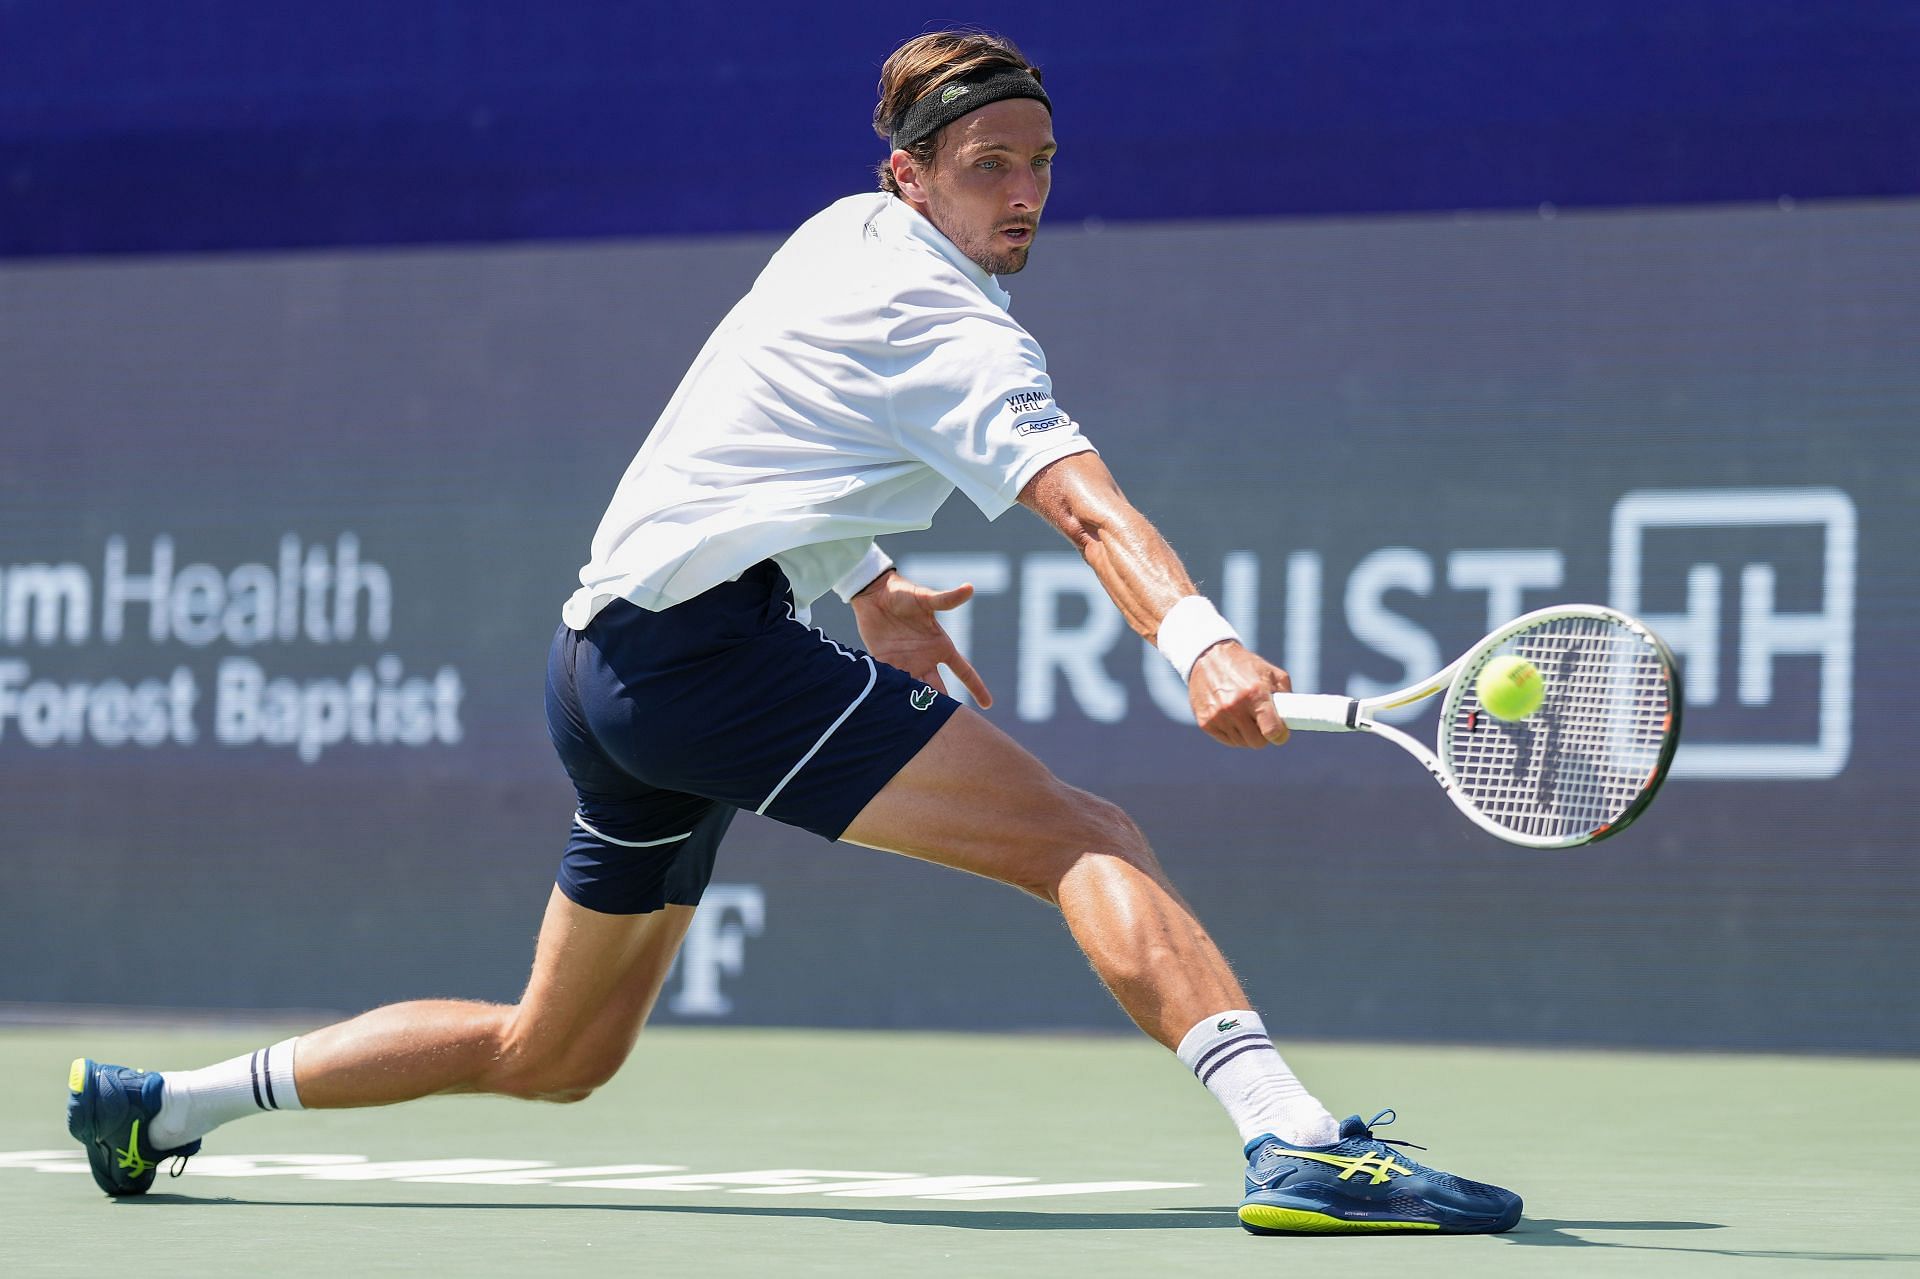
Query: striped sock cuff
[(1222, 1053), (1220, 1038), (1231, 1054), (272, 1073)]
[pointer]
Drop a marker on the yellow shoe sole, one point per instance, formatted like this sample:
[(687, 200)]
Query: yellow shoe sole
[(1301, 1221)]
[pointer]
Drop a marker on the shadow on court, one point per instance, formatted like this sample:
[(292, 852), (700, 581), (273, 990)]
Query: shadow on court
[(959, 1219), (1541, 1232), (1531, 1232)]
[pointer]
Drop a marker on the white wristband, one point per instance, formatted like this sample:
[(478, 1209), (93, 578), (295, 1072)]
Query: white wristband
[(1189, 629), (861, 575)]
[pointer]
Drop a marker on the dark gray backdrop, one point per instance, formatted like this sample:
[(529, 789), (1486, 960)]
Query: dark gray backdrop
[(1366, 437)]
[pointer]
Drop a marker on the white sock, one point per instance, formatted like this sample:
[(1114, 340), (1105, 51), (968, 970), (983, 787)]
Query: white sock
[(1230, 1053), (195, 1102)]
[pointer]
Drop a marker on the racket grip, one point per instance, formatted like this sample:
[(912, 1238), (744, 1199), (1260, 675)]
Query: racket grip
[(1317, 712)]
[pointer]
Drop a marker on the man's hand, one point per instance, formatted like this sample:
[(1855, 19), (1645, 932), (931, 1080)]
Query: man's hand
[(898, 626), (1232, 691)]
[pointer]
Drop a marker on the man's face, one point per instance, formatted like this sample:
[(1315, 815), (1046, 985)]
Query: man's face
[(988, 181)]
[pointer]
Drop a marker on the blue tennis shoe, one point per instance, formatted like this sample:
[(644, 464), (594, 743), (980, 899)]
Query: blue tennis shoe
[(1359, 1185), (107, 1108)]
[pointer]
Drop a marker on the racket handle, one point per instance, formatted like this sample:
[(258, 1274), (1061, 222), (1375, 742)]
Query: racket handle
[(1317, 712)]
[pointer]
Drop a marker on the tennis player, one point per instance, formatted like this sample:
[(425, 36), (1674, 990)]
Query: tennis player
[(871, 371)]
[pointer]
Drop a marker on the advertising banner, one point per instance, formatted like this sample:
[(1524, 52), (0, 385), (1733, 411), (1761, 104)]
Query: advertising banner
[(283, 540)]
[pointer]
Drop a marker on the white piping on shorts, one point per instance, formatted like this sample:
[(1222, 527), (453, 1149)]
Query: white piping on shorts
[(585, 825), (873, 675), (823, 637)]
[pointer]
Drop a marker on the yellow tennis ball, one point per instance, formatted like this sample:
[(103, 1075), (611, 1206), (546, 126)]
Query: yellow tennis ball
[(1510, 688)]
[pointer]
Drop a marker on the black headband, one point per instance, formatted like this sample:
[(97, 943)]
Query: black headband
[(951, 101)]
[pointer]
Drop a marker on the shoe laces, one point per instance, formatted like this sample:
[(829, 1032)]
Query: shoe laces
[(1381, 1120)]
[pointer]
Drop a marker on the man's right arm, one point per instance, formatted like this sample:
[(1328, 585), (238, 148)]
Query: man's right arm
[(1230, 686)]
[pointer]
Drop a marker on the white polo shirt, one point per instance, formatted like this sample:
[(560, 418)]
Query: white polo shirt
[(871, 370)]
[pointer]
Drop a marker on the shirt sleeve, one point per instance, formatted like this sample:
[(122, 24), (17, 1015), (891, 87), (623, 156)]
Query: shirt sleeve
[(861, 575), (969, 395)]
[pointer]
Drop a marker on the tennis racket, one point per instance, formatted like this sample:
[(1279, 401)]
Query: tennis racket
[(1580, 768)]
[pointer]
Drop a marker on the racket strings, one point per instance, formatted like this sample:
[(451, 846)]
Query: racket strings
[(1575, 765)]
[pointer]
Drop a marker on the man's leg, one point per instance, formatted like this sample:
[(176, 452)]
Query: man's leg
[(975, 800), (595, 979)]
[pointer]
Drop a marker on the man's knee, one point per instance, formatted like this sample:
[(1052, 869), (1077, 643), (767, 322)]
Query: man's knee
[(1091, 831), (542, 1071)]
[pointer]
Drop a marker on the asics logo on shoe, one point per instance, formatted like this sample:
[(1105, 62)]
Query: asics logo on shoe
[(130, 1159), (1377, 1168)]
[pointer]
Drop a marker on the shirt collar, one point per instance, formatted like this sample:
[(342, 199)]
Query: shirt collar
[(908, 221)]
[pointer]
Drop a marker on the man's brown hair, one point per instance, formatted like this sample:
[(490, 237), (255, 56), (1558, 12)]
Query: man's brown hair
[(923, 65)]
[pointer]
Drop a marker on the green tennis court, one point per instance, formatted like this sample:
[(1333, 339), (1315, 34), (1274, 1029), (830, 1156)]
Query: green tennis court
[(775, 1152)]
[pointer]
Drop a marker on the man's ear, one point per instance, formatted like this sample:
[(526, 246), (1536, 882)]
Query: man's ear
[(907, 173)]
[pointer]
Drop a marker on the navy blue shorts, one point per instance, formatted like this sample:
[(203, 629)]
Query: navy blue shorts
[(670, 722)]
